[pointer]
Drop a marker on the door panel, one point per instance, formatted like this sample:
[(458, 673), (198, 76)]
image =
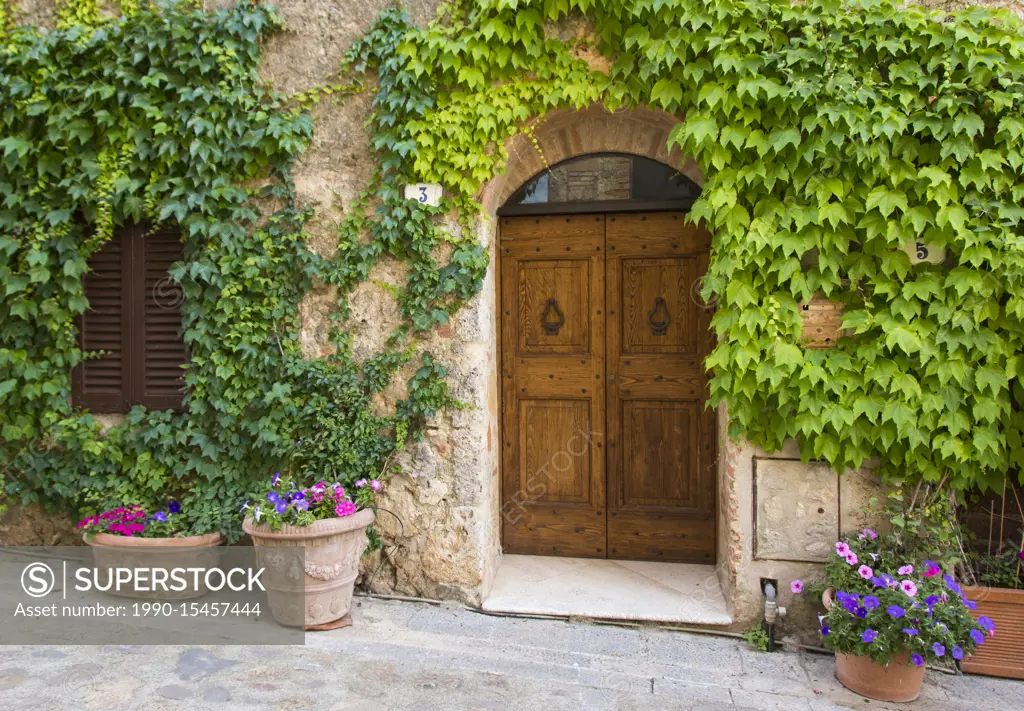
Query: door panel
[(607, 447), (661, 438), (553, 396)]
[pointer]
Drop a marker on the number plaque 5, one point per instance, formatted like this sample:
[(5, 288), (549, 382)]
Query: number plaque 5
[(925, 252)]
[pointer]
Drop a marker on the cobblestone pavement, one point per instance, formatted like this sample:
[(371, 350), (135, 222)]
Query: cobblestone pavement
[(403, 655)]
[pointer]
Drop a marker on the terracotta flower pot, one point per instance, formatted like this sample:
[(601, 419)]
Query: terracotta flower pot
[(110, 551), (330, 563), (899, 681), (1002, 655)]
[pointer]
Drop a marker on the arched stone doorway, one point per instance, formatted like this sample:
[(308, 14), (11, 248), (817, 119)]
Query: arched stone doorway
[(560, 137), (566, 134)]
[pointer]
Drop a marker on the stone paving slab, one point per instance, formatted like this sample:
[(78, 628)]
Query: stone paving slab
[(422, 657)]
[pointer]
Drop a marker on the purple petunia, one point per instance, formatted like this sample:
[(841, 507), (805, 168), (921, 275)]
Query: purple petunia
[(939, 649), (301, 505), (277, 478), (958, 653), (977, 636), (896, 612), (273, 497), (281, 507), (160, 516), (917, 659), (298, 496), (878, 582), (174, 507), (871, 602), (869, 636), (862, 612), (825, 629), (986, 624), (910, 631), (970, 604)]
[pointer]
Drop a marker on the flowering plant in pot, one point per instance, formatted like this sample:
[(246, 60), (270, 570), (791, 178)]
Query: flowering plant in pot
[(888, 615), (132, 537), (325, 526)]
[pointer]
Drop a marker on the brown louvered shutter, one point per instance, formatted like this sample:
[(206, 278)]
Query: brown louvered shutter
[(135, 315), (102, 384), (160, 377)]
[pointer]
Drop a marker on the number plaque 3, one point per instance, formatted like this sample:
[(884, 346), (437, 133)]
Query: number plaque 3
[(424, 193)]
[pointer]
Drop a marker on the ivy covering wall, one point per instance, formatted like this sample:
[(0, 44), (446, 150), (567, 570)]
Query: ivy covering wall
[(830, 134)]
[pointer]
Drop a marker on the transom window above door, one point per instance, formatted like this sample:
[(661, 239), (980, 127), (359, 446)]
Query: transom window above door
[(603, 182)]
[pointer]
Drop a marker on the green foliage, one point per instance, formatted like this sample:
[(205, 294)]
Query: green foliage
[(757, 638), (1003, 569), (831, 134), (160, 114)]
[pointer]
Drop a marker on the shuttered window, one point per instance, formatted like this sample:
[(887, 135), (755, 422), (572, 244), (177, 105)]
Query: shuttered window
[(134, 317)]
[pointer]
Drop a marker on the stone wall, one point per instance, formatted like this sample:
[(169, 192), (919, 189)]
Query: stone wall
[(439, 517)]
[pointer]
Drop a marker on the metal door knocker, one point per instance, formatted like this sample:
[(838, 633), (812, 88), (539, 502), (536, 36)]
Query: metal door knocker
[(659, 318), (552, 318)]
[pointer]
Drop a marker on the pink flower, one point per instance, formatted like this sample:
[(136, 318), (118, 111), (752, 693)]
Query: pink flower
[(909, 588), (375, 485), (870, 533), (796, 587), (906, 570), (865, 572), (930, 569), (345, 508), (361, 483), (842, 549), (851, 558)]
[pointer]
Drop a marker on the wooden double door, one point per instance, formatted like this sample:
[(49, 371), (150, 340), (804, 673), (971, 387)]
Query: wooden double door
[(608, 448)]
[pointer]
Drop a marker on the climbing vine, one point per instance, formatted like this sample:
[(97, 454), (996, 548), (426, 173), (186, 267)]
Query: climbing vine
[(830, 133), (160, 114)]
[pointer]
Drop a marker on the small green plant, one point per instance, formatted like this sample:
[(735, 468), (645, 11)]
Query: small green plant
[(757, 638), (1004, 569)]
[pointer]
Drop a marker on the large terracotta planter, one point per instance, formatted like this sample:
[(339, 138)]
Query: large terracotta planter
[(899, 681), (329, 566), (1002, 655), (110, 551)]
